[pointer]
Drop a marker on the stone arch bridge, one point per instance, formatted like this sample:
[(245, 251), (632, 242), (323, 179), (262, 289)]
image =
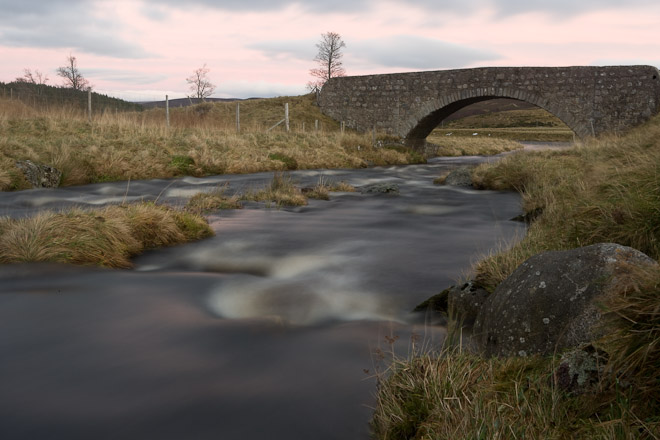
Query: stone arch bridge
[(589, 100)]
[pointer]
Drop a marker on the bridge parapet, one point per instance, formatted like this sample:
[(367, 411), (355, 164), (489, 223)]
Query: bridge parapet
[(589, 100)]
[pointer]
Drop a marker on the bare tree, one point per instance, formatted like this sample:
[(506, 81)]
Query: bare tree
[(200, 85), (328, 59), (35, 77), (72, 76)]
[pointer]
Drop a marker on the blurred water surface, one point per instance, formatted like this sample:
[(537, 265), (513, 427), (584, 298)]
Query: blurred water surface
[(271, 329)]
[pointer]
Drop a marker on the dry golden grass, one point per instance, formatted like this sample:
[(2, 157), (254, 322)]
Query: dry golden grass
[(201, 141), (324, 187), (471, 145), (211, 201), (281, 192), (458, 395), (603, 191), (107, 237)]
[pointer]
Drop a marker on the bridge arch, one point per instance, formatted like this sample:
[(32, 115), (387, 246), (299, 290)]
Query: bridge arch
[(590, 100), (436, 110)]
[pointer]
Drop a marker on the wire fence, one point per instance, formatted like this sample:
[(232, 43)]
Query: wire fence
[(154, 110)]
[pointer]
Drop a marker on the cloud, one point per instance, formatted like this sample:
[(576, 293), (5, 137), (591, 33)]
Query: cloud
[(407, 51), (257, 89), (63, 24), (123, 76), (501, 7), (563, 8), (277, 49)]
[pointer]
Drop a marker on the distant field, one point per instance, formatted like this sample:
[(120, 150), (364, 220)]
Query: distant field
[(529, 124)]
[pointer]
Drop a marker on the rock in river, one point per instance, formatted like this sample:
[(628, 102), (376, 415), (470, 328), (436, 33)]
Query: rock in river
[(39, 176), (551, 301)]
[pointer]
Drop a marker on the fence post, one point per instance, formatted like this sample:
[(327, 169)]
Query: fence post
[(89, 104), (238, 117), (316, 125), (373, 136), (11, 93), (286, 116), (167, 110)]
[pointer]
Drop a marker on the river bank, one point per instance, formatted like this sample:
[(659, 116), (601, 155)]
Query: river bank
[(603, 191)]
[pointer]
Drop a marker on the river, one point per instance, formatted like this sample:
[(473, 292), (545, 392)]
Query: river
[(274, 328)]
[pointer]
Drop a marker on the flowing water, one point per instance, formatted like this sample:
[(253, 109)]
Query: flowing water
[(272, 329)]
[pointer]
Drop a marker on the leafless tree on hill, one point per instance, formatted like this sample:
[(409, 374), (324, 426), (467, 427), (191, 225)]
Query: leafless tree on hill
[(35, 77), (200, 85), (329, 60), (72, 76)]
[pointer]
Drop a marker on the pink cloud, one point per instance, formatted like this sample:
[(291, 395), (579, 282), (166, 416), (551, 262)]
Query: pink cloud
[(177, 41)]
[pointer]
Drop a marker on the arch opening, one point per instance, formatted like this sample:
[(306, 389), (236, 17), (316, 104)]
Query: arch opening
[(469, 107)]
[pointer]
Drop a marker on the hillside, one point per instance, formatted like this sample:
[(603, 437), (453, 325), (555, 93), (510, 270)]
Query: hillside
[(45, 96)]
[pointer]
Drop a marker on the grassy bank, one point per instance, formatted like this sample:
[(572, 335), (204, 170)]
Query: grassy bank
[(107, 237), (607, 190), (201, 141)]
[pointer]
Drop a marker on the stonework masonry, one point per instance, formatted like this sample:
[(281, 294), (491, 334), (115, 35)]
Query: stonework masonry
[(589, 100)]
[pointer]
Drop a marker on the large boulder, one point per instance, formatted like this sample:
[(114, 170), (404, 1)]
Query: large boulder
[(551, 301), (39, 176)]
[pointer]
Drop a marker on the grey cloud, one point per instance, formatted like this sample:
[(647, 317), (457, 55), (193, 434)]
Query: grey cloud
[(301, 49), (63, 24), (559, 8), (406, 51), (123, 76), (502, 7)]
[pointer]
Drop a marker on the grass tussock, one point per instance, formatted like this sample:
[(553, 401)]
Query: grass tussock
[(607, 190), (323, 188), (458, 395), (211, 201), (106, 237), (281, 191), (633, 342)]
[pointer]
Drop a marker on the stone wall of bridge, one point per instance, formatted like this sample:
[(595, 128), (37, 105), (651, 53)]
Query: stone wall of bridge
[(589, 100)]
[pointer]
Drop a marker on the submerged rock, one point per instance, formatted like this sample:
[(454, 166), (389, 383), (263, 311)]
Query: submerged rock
[(381, 188), (461, 176), (551, 301), (39, 176), (460, 303)]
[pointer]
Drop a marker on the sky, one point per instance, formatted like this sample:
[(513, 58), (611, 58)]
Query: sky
[(142, 50)]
